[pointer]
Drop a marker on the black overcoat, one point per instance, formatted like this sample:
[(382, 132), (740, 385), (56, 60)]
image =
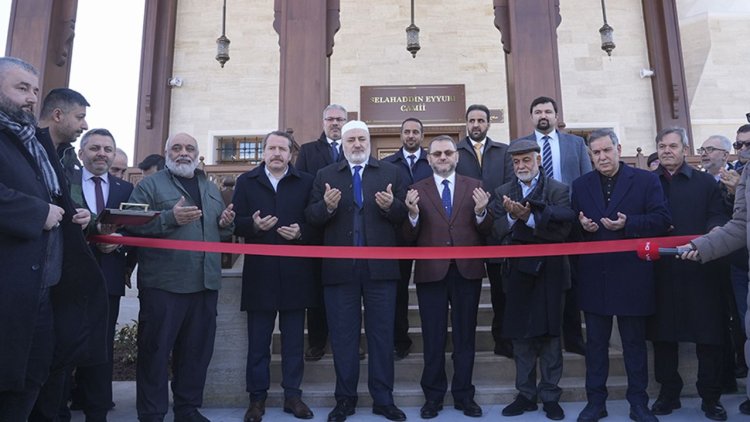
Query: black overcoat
[(271, 283), (690, 305)]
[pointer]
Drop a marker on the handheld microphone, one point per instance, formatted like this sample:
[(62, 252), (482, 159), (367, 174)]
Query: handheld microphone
[(650, 251)]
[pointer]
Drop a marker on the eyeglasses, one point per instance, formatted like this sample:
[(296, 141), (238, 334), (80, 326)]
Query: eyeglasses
[(437, 154), (335, 119), (739, 145), (709, 150)]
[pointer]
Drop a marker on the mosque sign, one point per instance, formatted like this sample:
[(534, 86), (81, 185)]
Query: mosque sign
[(432, 104)]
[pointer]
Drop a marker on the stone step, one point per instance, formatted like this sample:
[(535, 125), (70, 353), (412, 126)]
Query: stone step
[(320, 394), (485, 296), (488, 367), (484, 341), (484, 315)]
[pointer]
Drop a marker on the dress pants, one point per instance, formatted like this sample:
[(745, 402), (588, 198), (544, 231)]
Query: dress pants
[(666, 360), (16, 405), (344, 310), (401, 340), (434, 298), (571, 321), (497, 296), (546, 350), (317, 322), (634, 351), (185, 325), (259, 333), (93, 384)]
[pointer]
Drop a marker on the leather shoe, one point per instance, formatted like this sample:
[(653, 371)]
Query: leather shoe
[(390, 411), (714, 410), (314, 353), (298, 408), (469, 407), (504, 348), (641, 413), (430, 409), (401, 353), (519, 405), (664, 405), (256, 411), (576, 346), (592, 413), (192, 415), (344, 408), (745, 407), (553, 410)]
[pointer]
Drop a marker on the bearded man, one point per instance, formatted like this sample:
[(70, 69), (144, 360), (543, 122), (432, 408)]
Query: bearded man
[(178, 290)]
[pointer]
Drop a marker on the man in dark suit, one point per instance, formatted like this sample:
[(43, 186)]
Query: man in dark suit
[(360, 202), (448, 210), (486, 160), (313, 156), (93, 384), (52, 305), (616, 202), (533, 209), (270, 203), (63, 119), (690, 306), (411, 159), (564, 158)]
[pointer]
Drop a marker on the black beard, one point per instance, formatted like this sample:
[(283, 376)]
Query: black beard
[(18, 115), (542, 125)]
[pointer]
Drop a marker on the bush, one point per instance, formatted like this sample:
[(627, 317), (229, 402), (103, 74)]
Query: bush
[(125, 352)]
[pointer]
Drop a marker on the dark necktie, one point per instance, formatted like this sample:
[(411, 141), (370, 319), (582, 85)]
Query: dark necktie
[(335, 151), (412, 160), (98, 193), (547, 158), (357, 186), (447, 198)]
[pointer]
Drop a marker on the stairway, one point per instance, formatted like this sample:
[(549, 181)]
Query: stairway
[(494, 376)]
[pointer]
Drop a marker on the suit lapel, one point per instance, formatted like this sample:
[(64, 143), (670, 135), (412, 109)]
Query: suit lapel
[(594, 191), (432, 195), (459, 195)]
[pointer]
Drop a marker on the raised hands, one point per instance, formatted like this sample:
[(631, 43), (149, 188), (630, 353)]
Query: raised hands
[(331, 196), (185, 214), (412, 201), (384, 199), (481, 199)]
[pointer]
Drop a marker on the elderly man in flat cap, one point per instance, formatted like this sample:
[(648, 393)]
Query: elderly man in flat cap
[(359, 202), (533, 208)]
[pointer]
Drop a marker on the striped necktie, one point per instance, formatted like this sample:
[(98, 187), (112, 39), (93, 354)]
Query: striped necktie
[(547, 158)]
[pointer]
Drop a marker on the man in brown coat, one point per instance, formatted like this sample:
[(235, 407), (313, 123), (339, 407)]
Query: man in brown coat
[(448, 210)]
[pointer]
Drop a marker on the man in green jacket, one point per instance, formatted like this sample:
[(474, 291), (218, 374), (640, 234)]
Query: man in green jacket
[(178, 290)]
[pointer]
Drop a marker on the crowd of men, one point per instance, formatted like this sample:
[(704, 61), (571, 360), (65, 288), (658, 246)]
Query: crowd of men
[(60, 295)]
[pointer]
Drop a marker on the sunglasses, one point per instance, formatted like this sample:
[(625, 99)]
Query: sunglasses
[(437, 154), (739, 145), (709, 150)]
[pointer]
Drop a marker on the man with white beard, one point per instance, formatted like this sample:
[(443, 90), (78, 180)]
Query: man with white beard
[(178, 290), (359, 202)]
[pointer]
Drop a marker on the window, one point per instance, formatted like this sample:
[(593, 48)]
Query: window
[(240, 149)]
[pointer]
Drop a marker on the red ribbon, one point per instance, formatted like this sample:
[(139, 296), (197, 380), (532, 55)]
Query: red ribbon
[(381, 252)]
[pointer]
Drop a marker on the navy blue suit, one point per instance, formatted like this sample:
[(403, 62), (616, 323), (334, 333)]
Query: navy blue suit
[(618, 284), (94, 383), (272, 284), (349, 282), (421, 170)]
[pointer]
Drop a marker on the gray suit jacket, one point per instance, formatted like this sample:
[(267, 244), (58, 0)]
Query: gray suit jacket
[(574, 157)]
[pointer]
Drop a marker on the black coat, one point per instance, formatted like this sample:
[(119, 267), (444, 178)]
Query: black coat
[(619, 283), (690, 306), (380, 226), (80, 298), (534, 286), (315, 155), (273, 283)]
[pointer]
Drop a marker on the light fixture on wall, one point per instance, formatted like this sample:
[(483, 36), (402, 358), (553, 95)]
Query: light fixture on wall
[(412, 35), (222, 43), (606, 32)]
